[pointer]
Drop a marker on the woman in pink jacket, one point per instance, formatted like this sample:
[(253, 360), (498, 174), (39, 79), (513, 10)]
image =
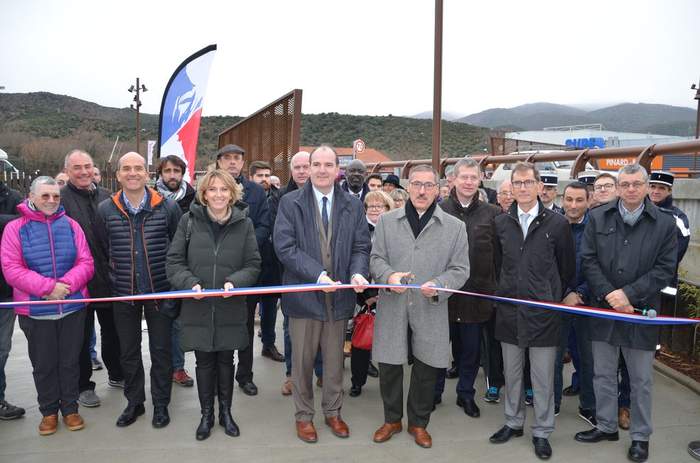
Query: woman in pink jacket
[(45, 256)]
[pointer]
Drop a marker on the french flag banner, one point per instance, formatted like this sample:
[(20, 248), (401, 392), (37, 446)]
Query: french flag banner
[(181, 109)]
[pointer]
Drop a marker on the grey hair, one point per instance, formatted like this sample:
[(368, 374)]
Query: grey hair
[(42, 180), (297, 156), (424, 168), (468, 163), (450, 171), (66, 161), (631, 169)]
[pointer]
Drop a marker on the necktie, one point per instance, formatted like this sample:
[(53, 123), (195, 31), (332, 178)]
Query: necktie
[(523, 223), (324, 214)]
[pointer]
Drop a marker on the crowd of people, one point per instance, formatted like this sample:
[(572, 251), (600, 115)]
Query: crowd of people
[(615, 242)]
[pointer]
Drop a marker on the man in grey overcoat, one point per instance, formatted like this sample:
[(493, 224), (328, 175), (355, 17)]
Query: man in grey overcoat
[(422, 244)]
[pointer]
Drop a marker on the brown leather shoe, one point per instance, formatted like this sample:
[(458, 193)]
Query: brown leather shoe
[(421, 436), (623, 418), (387, 430), (74, 422), (287, 387), (338, 426), (307, 432), (48, 425)]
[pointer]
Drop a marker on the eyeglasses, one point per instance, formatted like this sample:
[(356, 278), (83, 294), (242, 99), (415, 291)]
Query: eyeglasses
[(635, 185), (523, 183), (604, 187), (505, 194), (377, 207), (426, 185), (47, 196)]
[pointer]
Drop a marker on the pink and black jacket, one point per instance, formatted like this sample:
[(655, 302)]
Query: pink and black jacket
[(37, 251)]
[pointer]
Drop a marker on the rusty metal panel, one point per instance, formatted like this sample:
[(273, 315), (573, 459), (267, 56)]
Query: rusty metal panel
[(270, 134)]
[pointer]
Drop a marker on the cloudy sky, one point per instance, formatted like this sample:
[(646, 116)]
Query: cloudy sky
[(359, 57)]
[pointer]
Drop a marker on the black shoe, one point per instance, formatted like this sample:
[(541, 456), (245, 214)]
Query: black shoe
[(272, 353), (161, 418), (639, 451), (452, 373), (557, 409), (588, 416), (542, 448), (504, 434), (372, 371), (226, 420), (249, 388), (571, 391), (355, 391), (129, 415), (469, 406), (437, 400), (596, 435), (205, 425)]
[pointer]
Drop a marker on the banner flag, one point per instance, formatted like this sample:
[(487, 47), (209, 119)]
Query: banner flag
[(181, 109)]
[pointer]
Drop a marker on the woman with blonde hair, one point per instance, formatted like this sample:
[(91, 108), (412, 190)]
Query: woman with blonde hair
[(214, 247)]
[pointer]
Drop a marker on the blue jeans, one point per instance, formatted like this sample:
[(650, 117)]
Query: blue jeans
[(178, 355), (7, 326), (575, 335), (268, 319), (93, 342), (318, 363)]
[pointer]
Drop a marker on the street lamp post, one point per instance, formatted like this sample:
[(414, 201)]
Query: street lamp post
[(136, 105)]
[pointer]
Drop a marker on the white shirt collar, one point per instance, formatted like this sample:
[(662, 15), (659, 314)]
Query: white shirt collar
[(319, 197), (533, 212)]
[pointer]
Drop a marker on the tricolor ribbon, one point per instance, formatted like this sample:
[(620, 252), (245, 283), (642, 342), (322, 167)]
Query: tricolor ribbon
[(262, 290)]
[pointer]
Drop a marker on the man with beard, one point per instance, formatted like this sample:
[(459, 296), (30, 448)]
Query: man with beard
[(259, 172), (171, 184), (354, 183), (231, 159)]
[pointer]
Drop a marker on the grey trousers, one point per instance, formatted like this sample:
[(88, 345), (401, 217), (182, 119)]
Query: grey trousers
[(308, 336), (640, 367), (542, 374)]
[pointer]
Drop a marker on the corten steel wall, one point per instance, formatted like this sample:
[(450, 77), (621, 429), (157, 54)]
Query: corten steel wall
[(270, 134)]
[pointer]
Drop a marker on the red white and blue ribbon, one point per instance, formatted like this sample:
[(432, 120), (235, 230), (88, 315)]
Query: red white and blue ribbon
[(262, 290)]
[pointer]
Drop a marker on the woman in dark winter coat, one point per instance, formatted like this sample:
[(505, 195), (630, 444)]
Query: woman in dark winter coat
[(214, 247)]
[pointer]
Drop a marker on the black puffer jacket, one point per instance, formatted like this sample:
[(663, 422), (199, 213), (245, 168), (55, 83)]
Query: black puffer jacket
[(214, 324), (9, 200), (479, 218), (160, 219), (81, 206), (539, 267)]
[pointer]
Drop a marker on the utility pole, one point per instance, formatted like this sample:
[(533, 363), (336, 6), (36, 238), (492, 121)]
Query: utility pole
[(696, 87), (137, 104), (437, 87)]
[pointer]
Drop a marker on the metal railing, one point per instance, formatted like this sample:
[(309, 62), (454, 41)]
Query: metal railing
[(641, 155)]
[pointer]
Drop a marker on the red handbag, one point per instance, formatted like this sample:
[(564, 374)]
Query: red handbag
[(363, 331)]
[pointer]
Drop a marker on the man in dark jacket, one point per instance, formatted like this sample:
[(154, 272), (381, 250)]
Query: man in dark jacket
[(231, 159), (574, 328), (629, 254), (260, 172), (138, 224), (321, 237), (549, 192), (172, 185), (299, 167), (468, 314), (9, 199), (80, 199), (354, 183), (538, 263)]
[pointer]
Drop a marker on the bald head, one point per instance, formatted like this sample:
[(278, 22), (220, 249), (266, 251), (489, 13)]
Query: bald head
[(299, 166), (131, 155)]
